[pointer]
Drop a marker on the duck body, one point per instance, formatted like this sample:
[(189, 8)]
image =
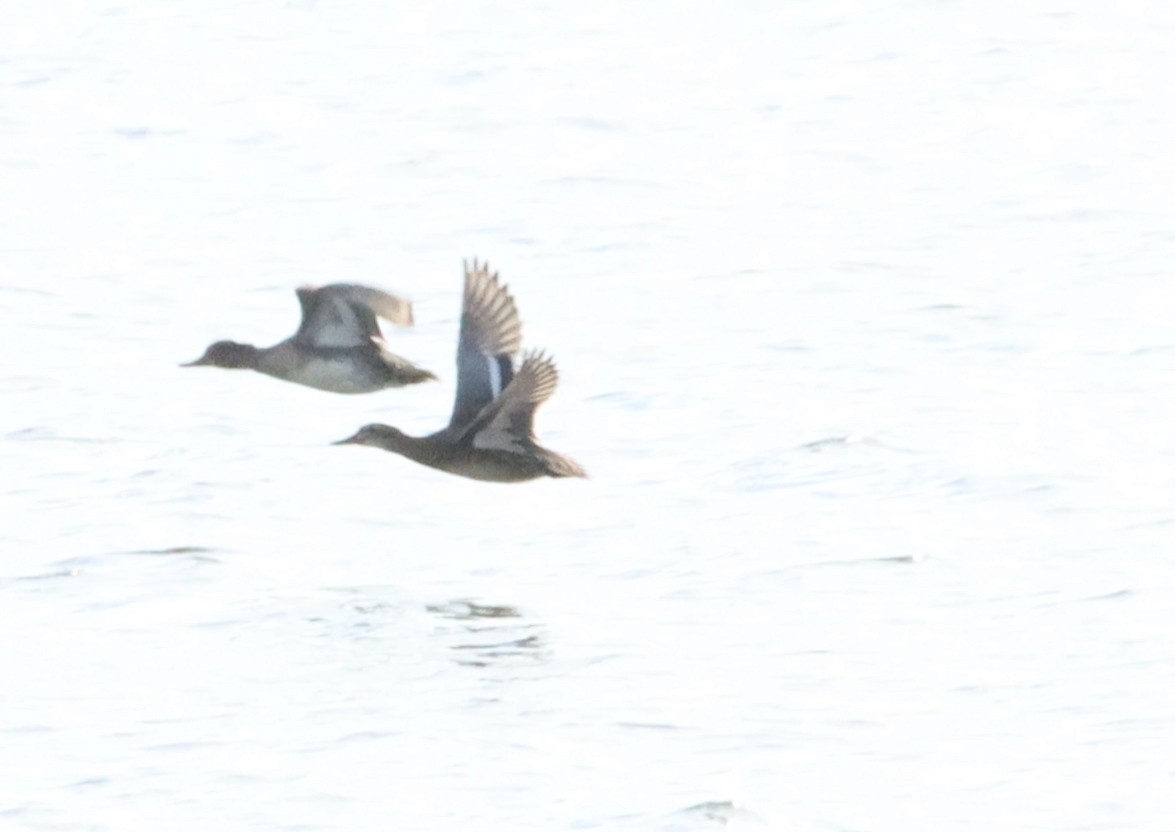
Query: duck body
[(444, 452), (490, 435), (338, 347), (346, 370)]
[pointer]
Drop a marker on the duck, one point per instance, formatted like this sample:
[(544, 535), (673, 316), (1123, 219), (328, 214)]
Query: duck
[(338, 346), (490, 435)]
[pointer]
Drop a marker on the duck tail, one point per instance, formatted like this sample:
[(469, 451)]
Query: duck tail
[(561, 466), (414, 375)]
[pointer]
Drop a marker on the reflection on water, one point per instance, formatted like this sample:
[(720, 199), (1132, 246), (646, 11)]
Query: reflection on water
[(489, 634), (44, 576), (713, 814), (202, 554)]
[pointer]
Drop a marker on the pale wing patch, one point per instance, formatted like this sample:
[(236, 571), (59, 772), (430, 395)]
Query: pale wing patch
[(511, 420), (384, 304), (498, 440), (344, 314), (495, 376)]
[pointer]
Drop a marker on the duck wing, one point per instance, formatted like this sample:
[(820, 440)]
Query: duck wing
[(344, 314), (391, 308), (491, 335), (507, 423)]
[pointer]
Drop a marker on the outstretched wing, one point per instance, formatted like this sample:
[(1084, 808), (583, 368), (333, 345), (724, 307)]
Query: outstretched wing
[(344, 314), (491, 335), (385, 305), (507, 423)]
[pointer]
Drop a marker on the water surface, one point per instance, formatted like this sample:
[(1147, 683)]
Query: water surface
[(864, 327)]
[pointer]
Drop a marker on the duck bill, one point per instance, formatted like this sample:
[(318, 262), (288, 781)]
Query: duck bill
[(199, 362), (350, 440)]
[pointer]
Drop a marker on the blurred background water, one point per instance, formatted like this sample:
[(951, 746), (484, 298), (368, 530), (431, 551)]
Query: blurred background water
[(863, 313)]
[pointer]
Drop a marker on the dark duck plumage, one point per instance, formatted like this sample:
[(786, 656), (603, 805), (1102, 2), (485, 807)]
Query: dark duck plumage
[(490, 435)]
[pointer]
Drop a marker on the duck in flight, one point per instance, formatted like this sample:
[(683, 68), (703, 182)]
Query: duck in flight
[(490, 435), (338, 347)]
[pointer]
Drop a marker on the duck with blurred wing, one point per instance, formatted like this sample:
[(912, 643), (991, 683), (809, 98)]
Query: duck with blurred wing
[(338, 347)]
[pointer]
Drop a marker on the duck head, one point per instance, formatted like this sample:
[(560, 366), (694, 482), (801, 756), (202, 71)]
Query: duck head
[(227, 354), (380, 436)]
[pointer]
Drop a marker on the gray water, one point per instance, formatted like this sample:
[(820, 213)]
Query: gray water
[(864, 318)]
